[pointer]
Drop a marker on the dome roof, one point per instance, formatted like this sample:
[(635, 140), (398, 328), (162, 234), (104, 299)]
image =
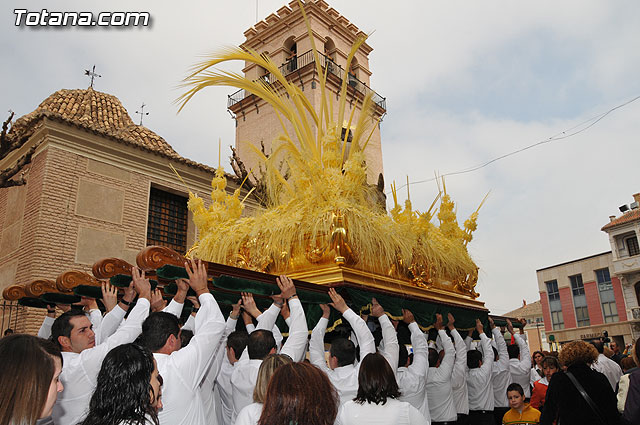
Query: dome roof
[(98, 112)]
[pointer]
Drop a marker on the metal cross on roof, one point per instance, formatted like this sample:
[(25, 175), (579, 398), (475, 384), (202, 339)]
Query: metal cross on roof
[(92, 74), (142, 112)]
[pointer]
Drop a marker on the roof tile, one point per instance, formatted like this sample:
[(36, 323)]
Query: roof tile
[(627, 217)]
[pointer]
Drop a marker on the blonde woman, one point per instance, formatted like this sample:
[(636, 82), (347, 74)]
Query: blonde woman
[(251, 413)]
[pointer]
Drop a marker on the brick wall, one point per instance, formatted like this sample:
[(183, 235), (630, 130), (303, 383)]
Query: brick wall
[(568, 312), (593, 303), (619, 296)]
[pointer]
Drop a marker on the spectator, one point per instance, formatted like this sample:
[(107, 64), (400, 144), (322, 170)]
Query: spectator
[(565, 403), (606, 366), (520, 412), (251, 413), (536, 369), (129, 389), (550, 365), (292, 399), (377, 399), (629, 391), (617, 355), (628, 365), (26, 398)]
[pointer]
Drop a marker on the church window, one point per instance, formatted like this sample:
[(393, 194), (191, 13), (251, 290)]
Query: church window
[(167, 224)]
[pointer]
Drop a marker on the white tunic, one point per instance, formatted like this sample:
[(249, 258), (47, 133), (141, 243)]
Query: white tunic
[(521, 369), (479, 379), (184, 370), (501, 375), (250, 415), (344, 378), (439, 392), (412, 380), (608, 368), (459, 375), (393, 412), (245, 373), (80, 371)]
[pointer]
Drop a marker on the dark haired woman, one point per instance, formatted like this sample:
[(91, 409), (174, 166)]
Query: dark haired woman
[(377, 400), (128, 390), (536, 367), (299, 393), (29, 383)]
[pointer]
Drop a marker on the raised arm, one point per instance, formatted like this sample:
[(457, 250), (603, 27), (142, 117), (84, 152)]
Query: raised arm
[(91, 358), (316, 344), (459, 375), (177, 303), (45, 329), (420, 363), (115, 314), (365, 338), (446, 366), (487, 352), (501, 345), (298, 332), (524, 364), (193, 360), (389, 336)]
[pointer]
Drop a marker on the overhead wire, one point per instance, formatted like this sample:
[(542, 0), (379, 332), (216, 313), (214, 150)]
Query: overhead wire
[(559, 136)]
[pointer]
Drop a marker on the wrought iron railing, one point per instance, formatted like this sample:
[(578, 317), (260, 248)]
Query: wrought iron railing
[(304, 60)]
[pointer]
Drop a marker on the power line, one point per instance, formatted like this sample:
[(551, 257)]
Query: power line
[(583, 126)]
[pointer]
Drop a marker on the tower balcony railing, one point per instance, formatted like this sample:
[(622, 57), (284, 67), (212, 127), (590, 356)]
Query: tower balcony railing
[(298, 63)]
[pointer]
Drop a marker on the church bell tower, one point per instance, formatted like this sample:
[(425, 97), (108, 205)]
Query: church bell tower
[(284, 37)]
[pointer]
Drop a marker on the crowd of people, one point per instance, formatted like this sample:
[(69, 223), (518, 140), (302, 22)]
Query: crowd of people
[(139, 365)]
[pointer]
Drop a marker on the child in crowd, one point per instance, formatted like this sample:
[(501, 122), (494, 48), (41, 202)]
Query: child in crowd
[(520, 412), (550, 365)]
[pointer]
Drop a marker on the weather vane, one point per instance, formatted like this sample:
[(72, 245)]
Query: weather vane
[(92, 74), (142, 112)]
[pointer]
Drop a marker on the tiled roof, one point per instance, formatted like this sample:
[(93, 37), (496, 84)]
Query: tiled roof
[(532, 309), (100, 113), (628, 217)]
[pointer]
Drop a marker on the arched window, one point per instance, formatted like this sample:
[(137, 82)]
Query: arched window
[(353, 74), (330, 56), (291, 52)]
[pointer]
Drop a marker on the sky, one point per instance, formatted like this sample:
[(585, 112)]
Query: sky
[(465, 83)]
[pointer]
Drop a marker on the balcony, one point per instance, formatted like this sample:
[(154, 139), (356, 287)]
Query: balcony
[(301, 63), (627, 265)]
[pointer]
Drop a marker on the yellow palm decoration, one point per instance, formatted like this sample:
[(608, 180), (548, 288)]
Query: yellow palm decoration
[(323, 210)]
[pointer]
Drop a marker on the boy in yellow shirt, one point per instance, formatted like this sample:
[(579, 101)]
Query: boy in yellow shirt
[(520, 413)]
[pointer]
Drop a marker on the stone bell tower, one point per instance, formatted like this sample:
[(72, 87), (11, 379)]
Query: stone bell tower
[(284, 37)]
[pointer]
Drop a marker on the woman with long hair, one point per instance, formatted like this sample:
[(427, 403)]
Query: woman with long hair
[(28, 398), (251, 413), (299, 393), (564, 402), (377, 399), (128, 389), (536, 367)]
